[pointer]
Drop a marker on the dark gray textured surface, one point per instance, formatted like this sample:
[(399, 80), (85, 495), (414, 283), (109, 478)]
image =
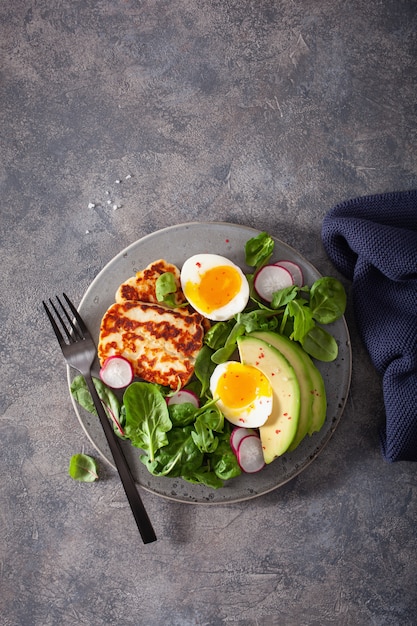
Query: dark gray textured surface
[(257, 112)]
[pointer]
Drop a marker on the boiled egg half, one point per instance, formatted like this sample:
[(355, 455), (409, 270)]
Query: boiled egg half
[(214, 286), (243, 393)]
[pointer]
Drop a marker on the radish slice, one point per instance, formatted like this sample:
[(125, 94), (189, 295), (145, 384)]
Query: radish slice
[(237, 435), (250, 455), (116, 372), (271, 278), (295, 271), (184, 396)]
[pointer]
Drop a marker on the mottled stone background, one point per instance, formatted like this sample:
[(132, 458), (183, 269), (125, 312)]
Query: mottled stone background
[(256, 112)]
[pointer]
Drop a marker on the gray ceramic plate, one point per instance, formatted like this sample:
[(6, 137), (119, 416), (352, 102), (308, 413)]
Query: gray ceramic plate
[(175, 244)]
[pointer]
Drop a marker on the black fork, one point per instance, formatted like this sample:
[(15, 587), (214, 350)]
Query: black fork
[(79, 351)]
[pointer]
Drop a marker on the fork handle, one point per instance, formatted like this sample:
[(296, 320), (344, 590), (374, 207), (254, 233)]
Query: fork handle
[(139, 512)]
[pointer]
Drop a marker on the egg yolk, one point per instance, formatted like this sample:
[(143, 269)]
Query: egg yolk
[(217, 287), (241, 384)]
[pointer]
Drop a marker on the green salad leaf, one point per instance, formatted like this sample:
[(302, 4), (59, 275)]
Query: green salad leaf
[(327, 300), (203, 368), (204, 476), (284, 296), (259, 319), (302, 315), (147, 417), (223, 460), (83, 468), (258, 250), (320, 344), (208, 422), (179, 456), (165, 289), (181, 414), (217, 335), (185, 437), (111, 403), (224, 353)]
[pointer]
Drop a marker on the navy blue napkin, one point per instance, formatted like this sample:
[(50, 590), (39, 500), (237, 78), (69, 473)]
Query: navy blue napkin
[(373, 242)]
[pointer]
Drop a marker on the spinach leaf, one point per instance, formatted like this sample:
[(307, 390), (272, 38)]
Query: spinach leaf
[(83, 468), (284, 296), (190, 450), (182, 414), (203, 368), (203, 476), (320, 344), (259, 319), (111, 403), (217, 335), (209, 420), (259, 249), (223, 354), (165, 289), (180, 455), (203, 437), (212, 416), (327, 300), (223, 461), (147, 417), (302, 316)]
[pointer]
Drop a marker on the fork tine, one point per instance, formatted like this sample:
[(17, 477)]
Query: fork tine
[(77, 316), (78, 334), (54, 325), (59, 316)]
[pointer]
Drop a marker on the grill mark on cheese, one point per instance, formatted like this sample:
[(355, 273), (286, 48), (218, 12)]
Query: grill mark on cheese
[(162, 344), (128, 292)]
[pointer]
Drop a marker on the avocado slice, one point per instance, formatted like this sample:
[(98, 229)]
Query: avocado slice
[(313, 392), (302, 371), (279, 430), (320, 399)]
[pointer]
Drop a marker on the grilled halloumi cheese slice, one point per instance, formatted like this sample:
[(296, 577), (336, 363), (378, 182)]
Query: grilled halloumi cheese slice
[(161, 344), (141, 287)]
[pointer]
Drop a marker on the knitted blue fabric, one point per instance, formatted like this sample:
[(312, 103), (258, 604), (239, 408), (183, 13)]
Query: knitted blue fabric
[(373, 241)]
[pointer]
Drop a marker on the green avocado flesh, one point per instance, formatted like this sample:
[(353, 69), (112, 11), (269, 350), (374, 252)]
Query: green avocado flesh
[(313, 393), (278, 432)]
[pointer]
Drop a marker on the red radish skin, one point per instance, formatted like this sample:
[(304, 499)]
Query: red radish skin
[(237, 435), (271, 278), (116, 372), (295, 271), (184, 396), (250, 455)]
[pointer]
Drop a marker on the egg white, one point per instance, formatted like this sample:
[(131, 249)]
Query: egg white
[(192, 272)]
